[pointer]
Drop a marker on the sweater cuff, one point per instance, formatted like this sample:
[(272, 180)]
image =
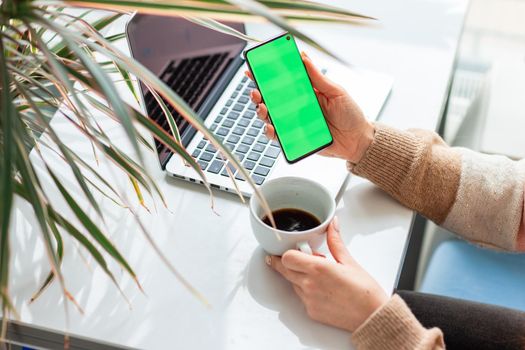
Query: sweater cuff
[(392, 327), (389, 158)]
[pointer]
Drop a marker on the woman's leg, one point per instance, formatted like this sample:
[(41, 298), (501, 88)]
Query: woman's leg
[(469, 325)]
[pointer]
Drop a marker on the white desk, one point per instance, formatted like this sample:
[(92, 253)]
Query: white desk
[(252, 307)]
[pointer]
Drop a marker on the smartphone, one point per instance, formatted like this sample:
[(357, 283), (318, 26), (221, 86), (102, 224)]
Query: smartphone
[(286, 89)]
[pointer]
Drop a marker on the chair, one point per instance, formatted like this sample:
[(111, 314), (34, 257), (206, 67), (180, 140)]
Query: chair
[(461, 270)]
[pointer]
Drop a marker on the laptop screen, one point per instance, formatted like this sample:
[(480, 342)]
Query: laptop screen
[(191, 59)]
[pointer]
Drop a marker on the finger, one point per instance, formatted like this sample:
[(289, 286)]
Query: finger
[(296, 260), (248, 74), (320, 81), (269, 131), (319, 254), (292, 276), (336, 245), (256, 96), (262, 111)]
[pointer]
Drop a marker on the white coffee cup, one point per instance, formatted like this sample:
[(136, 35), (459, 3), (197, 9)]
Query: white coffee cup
[(296, 193)]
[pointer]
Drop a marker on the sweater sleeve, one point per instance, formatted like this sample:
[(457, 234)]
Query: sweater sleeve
[(478, 196), (394, 327)]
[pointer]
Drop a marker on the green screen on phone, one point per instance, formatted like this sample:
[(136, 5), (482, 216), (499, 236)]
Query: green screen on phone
[(286, 90)]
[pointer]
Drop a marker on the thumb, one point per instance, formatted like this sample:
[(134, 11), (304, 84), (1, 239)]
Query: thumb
[(336, 244), (319, 81)]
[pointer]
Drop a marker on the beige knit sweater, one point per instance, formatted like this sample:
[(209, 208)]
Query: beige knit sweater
[(480, 197)]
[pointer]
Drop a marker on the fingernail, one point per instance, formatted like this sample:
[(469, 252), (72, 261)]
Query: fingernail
[(304, 54), (336, 223), (268, 260)]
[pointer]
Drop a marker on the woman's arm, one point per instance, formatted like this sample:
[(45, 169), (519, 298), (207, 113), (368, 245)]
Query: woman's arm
[(466, 192), (394, 327), (477, 196)]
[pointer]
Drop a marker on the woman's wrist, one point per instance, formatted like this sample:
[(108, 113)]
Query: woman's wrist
[(364, 140)]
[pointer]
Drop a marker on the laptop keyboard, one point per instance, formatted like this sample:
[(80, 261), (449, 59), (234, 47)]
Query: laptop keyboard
[(237, 125), (189, 78), (242, 132)]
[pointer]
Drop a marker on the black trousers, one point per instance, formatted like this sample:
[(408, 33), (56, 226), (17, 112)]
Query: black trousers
[(469, 325)]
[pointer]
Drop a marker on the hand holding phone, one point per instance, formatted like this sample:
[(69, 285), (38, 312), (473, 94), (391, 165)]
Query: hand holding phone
[(287, 92), (351, 131)]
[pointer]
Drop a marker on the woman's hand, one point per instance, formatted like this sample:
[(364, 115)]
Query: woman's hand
[(341, 293), (351, 132)]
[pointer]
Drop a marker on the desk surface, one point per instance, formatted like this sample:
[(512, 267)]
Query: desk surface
[(252, 307)]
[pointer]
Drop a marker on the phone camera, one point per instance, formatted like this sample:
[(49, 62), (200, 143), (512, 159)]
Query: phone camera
[(287, 37)]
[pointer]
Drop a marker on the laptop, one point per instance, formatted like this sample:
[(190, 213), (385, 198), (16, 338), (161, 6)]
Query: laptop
[(206, 69)]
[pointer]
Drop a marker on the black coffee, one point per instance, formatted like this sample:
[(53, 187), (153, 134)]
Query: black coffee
[(290, 219)]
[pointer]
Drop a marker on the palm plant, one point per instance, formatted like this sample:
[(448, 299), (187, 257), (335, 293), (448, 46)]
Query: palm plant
[(55, 59)]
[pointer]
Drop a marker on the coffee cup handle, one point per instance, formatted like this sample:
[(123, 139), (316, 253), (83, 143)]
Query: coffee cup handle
[(305, 247)]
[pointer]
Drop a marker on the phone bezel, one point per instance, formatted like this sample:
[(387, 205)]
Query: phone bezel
[(245, 54)]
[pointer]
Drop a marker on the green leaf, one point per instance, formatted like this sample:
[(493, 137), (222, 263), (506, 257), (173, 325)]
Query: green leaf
[(103, 81), (36, 83), (60, 255), (108, 112), (222, 10), (171, 121), (113, 153), (61, 77), (90, 226), (275, 12), (161, 135), (8, 157), (62, 49), (116, 37), (129, 82), (84, 241), (32, 185), (97, 26), (121, 159), (261, 10), (95, 173), (126, 164), (76, 234), (220, 27), (65, 152), (138, 192), (312, 8), (104, 22)]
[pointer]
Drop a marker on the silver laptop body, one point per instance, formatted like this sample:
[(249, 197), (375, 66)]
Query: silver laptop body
[(207, 70)]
